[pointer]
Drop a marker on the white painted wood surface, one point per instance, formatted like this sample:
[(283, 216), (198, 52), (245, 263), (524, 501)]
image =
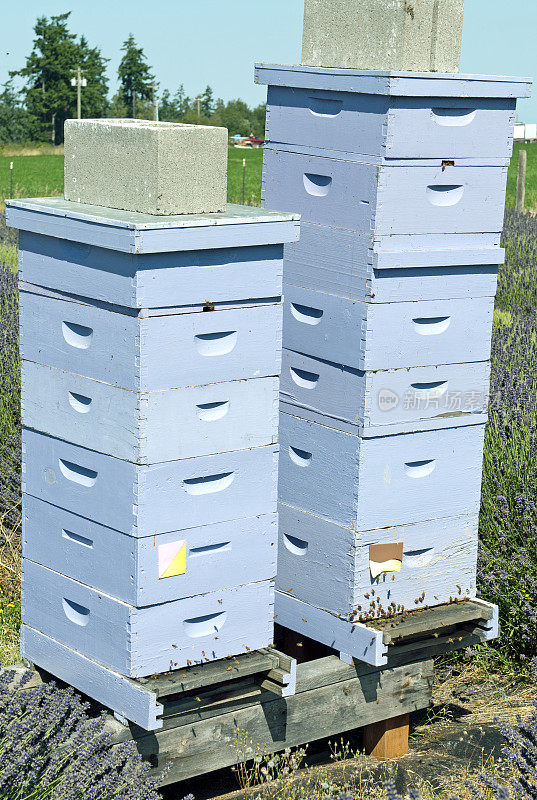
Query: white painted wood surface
[(151, 352), (217, 555), (390, 269), (145, 641), (379, 336), (150, 427), (130, 232), (151, 280), (327, 565), (344, 192), (386, 401), (379, 482), (394, 127), (111, 689), (143, 500)]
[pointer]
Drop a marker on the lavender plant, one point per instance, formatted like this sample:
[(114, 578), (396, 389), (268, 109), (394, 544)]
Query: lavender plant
[(51, 750), (10, 420), (517, 284), (507, 568), (521, 751)]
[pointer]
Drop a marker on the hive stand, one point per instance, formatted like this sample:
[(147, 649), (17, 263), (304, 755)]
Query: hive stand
[(189, 721), (399, 178), (203, 709)]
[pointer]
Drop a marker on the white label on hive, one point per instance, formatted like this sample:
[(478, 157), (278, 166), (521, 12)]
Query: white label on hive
[(172, 559)]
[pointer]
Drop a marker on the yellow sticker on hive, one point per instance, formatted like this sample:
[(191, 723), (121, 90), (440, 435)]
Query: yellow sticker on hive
[(172, 559), (385, 558)]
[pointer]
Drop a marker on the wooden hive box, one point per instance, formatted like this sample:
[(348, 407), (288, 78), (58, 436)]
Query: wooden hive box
[(344, 571), (381, 402), (143, 641), (388, 304), (148, 570), (373, 483)]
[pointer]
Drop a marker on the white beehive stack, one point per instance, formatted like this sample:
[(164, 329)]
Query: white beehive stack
[(151, 347), (399, 178)]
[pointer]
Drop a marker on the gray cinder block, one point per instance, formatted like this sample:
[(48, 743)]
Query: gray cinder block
[(415, 35), (158, 168)]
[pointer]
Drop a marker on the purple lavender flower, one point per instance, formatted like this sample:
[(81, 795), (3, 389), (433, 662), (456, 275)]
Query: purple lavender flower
[(52, 750)]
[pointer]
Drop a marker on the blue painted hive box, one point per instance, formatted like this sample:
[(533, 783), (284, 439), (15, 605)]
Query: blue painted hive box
[(151, 352), (399, 177)]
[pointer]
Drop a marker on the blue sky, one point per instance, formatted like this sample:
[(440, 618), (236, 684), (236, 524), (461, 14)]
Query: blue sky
[(197, 42)]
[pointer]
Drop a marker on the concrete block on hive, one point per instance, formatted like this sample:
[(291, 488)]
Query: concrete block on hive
[(414, 35), (159, 168)]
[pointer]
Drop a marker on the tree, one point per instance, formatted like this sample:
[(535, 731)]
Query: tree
[(173, 109), (95, 94), (207, 102), (135, 76), (55, 55), (236, 117), (182, 102), (16, 124), (166, 107), (259, 120)]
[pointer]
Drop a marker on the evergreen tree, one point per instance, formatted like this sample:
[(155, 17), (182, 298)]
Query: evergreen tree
[(135, 76), (166, 107), (182, 102), (117, 108), (95, 93), (56, 54), (16, 124), (207, 102)]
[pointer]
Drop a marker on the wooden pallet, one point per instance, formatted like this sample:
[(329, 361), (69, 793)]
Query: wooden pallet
[(204, 709)]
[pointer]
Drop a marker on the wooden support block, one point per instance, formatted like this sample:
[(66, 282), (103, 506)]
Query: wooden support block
[(387, 739)]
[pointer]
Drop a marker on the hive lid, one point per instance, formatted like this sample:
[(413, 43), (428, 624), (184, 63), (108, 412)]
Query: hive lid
[(134, 232), (393, 83)]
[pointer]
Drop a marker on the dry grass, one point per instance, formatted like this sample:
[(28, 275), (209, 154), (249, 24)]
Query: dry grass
[(10, 576), (468, 704), (32, 150)]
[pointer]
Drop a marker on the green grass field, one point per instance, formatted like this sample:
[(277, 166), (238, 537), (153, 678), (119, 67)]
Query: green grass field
[(531, 180), (40, 176)]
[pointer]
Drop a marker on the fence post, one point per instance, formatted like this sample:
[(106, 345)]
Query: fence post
[(244, 181), (521, 180), (11, 179)]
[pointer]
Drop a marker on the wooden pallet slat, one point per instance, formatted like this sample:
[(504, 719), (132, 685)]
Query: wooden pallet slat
[(323, 706)]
